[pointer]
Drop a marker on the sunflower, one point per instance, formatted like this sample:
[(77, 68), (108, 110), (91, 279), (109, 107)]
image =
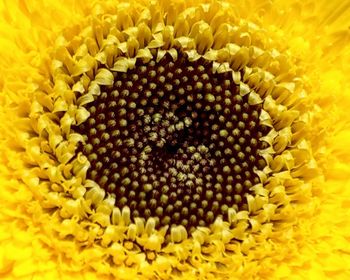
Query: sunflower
[(174, 139)]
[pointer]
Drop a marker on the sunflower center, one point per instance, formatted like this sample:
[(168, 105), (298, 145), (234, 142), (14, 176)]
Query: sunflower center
[(175, 141)]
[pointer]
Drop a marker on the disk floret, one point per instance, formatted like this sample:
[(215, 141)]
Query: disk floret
[(174, 140)]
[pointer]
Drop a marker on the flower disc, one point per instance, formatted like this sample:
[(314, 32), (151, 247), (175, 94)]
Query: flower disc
[(174, 141)]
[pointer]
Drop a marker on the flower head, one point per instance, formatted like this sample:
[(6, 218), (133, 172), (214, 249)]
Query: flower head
[(174, 139)]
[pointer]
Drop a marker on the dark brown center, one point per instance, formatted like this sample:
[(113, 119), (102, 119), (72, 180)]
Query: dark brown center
[(174, 141)]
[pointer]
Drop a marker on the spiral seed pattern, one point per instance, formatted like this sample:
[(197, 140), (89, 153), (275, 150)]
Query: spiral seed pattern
[(174, 141)]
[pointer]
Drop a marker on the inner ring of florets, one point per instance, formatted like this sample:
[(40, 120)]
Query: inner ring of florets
[(175, 141)]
